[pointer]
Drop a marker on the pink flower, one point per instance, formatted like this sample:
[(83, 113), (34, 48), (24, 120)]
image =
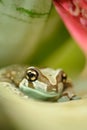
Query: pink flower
[(74, 15)]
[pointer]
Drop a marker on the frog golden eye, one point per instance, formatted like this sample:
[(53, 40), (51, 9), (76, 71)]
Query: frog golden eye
[(31, 75), (64, 77)]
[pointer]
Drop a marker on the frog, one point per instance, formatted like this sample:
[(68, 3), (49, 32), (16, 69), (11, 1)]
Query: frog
[(45, 84)]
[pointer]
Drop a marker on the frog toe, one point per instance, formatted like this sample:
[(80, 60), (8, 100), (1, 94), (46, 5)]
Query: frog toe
[(75, 98), (63, 99)]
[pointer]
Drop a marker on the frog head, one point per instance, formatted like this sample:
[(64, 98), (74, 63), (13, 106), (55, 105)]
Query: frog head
[(43, 83)]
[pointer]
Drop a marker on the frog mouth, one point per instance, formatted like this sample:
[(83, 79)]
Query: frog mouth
[(39, 94)]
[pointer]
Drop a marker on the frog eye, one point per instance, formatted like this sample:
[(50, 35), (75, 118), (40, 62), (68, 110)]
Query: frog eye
[(64, 77), (31, 75)]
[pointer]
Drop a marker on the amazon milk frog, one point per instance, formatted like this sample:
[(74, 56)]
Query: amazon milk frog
[(44, 84)]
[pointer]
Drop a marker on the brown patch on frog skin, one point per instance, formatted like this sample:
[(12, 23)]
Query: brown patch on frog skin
[(13, 74), (68, 90), (59, 79), (10, 74), (67, 86), (50, 87), (30, 85), (44, 79)]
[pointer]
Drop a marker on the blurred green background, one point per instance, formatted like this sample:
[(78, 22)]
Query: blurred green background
[(31, 32)]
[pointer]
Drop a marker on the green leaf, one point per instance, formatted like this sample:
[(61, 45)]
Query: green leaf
[(21, 114)]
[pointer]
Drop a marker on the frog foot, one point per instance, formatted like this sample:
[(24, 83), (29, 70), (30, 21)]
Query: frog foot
[(66, 98)]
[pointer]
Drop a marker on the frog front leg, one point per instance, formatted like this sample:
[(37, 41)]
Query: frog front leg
[(68, 94)]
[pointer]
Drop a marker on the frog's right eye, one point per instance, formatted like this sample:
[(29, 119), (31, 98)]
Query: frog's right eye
[(64, 77), (31, 75)]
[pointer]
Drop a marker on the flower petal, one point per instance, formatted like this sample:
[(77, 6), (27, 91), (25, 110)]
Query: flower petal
[(75, 19)]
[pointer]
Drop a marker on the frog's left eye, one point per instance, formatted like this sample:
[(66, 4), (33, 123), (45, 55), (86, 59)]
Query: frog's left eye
[(31, 75)]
